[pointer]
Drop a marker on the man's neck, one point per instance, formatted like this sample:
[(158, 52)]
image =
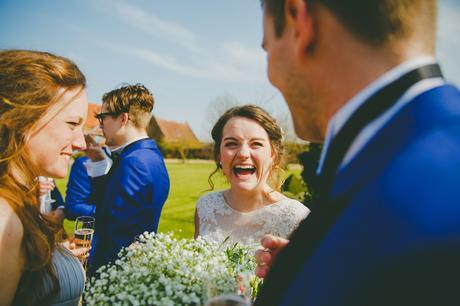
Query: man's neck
[(130, 135), (351, 64)]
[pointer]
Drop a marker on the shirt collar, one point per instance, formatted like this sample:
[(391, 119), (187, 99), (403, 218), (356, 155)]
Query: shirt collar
[(343, 114), (119, 149)]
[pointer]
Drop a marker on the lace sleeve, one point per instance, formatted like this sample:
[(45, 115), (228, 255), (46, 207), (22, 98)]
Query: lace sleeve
[(207, 207), (288, 216)]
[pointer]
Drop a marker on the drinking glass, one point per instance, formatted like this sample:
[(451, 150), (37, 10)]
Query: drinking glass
[(46, 200), (84, 230), (228, 300)]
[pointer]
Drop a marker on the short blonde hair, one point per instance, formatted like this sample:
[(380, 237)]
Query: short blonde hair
[(136, 100)]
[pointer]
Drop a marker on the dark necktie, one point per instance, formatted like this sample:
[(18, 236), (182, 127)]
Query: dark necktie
[(115, 157), (324, 213)]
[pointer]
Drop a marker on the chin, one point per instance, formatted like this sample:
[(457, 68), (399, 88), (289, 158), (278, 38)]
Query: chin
[(245, 186), (59, 172)]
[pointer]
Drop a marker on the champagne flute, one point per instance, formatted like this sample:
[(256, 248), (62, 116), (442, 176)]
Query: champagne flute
[(84, 230), (45, 199)]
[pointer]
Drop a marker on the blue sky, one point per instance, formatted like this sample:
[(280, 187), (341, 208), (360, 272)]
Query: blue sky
[(188, 53)]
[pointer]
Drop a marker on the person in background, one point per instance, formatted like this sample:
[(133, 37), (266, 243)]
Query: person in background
[(248, 149), (78, 195), (48, 191), (131, 187), (79, 200), (43, 106), (363, 76)]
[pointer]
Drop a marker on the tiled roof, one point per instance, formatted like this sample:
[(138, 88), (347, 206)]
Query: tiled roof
[(172, 131), (92, 124)]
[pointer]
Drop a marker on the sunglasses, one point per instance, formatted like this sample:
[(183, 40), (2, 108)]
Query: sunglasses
[(101, 116)]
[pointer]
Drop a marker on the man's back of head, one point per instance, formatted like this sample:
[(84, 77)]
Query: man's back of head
[(135, 100), (376, 22)]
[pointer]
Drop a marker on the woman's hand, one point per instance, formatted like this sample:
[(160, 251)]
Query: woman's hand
[(272, 246), (81, 253)]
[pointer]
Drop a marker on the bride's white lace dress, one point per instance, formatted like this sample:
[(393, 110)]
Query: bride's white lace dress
[(217, 220)]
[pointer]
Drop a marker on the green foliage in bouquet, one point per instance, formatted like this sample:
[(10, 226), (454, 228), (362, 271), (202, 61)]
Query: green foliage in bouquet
[(243, 263), (162, 270)]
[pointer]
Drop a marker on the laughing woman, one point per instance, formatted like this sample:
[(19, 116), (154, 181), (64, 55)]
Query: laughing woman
[(248, 147), (43, 106)]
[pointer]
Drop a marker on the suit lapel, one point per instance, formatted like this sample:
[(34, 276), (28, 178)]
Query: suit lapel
[(421, 114)]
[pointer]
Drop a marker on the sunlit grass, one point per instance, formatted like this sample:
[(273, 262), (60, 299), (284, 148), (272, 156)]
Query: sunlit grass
[(189, 181)]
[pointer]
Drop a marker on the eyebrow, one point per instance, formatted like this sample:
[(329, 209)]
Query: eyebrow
[(229, 138), (236, 139)]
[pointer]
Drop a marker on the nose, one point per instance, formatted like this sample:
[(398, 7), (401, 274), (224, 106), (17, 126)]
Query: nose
[(244, 151), (79, 142)]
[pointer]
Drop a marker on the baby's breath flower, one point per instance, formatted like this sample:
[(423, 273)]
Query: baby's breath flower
[(162, 270)]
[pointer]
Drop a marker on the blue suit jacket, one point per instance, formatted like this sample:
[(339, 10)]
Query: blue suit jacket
[(57, 197), (397, 242), (129, 199), (78, 196)]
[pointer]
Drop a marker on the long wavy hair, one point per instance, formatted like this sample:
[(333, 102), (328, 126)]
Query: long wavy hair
[(268, 123), (30, 83)]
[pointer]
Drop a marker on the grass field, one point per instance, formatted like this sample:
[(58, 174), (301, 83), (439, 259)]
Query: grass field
[(188, 182)]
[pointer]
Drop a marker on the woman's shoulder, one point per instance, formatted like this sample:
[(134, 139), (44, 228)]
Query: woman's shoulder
[(211, 204), (294, 206), (210, 197), (11, 229)]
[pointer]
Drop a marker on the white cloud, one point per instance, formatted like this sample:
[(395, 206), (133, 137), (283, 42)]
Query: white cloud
[(206, 67), (227, 61), (153, 25), (243, 54)]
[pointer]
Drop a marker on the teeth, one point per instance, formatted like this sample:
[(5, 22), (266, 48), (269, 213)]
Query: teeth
[(245, 167)]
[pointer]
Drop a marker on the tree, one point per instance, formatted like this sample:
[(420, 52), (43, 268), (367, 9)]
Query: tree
[(216, 108)]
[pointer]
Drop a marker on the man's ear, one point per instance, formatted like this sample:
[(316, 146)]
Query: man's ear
[(124, 118), (301, 17)]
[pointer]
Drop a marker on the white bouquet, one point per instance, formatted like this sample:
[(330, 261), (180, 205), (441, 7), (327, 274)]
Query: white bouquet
[(162, 270)]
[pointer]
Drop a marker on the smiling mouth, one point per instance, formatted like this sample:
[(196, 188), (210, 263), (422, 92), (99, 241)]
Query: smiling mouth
[(244, 170)]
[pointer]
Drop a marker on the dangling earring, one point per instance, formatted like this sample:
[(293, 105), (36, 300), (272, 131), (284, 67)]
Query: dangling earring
[(219, 164)]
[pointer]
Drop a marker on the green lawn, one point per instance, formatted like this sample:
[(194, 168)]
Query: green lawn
[(188, 182)]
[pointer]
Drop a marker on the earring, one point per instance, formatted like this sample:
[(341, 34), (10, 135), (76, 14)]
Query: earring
[(219, 164)]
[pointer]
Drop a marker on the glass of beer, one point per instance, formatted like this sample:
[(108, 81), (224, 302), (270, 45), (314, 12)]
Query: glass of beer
[(84, 230)]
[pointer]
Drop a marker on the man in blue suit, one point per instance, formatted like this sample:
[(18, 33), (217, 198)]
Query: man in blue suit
[(78, 194), (386, 229), (130, 196)]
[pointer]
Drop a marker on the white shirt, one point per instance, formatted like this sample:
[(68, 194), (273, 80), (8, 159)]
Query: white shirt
[(344, 113), (102, 167)]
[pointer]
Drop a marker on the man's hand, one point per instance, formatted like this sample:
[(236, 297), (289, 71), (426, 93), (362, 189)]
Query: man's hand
[(272, 246), (93, 149), (44, 186)]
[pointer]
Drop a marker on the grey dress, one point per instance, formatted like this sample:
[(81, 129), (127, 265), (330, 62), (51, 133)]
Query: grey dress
[(71, 276)]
